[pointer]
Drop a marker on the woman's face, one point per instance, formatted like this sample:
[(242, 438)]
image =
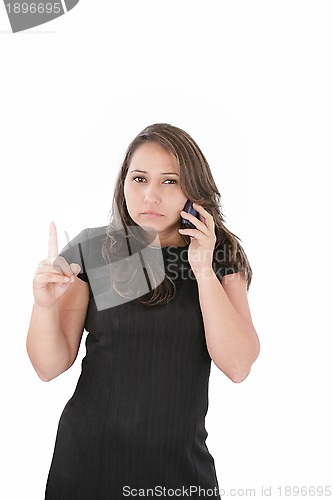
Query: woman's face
[(152, 185)]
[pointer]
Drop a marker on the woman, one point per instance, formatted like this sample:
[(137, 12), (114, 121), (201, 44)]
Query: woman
[(136, 420)]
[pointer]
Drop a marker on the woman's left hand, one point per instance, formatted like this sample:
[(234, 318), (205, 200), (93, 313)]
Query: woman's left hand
[(201, 248)]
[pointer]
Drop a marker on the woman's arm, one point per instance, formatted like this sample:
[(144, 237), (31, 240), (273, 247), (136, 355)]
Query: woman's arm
[(232, 341), (55, 332), (58, 314)]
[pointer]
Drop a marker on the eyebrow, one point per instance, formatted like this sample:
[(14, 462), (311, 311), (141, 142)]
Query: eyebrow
[(162, 173)]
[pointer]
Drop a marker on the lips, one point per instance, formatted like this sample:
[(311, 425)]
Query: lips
[(150, 213)]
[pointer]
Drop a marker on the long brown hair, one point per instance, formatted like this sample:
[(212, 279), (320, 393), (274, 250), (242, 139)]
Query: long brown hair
[(198, 185)]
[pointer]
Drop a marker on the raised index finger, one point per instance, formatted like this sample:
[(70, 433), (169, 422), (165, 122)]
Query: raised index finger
[(53, 242)]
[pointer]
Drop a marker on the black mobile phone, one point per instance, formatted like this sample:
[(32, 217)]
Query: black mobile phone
[(188, 207)]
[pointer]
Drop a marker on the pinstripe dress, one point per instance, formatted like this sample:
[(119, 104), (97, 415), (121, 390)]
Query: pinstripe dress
[(135, 425)]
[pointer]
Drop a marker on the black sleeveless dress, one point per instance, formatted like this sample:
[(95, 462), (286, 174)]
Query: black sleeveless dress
[(136, 420)]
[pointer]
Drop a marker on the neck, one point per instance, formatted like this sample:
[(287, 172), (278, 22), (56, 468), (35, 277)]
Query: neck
[(166, 243)]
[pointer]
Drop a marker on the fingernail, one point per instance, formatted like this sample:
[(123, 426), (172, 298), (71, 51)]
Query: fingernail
[(75, 268)]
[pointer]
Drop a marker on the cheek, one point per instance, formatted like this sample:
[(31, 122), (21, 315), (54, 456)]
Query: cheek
[(130, 196), (128, 191)]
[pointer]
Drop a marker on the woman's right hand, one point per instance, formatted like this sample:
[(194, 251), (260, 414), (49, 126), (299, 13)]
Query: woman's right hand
[(51, 281)]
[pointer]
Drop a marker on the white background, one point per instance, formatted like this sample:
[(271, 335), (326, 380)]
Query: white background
[(251, 81)]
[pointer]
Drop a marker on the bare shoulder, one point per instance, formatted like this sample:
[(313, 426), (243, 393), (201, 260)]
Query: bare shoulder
[(77, 296)]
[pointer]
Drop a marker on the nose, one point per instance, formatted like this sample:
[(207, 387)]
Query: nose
[(151, 195)]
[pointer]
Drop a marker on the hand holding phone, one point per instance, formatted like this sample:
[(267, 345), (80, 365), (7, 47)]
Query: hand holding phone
[(185, 223)]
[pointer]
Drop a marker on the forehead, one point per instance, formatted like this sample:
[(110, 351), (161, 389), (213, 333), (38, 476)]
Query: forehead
[(153, 157)]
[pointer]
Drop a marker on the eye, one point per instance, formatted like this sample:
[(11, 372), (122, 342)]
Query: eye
[(139, 177)]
